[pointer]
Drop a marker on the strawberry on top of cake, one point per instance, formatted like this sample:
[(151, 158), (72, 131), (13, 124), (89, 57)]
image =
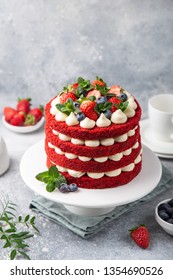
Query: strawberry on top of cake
[(92, 134)]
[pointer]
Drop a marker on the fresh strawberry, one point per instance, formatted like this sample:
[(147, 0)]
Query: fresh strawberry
[(9, 113), (87, 107), (116, 101), (66, 95), (23, 105), (98, 82), (115, 90), (94, 92), (141, 236), (18, 119), (74, 86), (33, 116)]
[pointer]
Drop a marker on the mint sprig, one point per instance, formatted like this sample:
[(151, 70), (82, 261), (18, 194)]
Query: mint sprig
[(122, 106), (101, 108), (83, 86), (67, 107), (103, 89), (52, 178)]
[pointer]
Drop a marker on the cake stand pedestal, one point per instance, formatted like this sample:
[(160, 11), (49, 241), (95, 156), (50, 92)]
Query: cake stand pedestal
[(91, 202)]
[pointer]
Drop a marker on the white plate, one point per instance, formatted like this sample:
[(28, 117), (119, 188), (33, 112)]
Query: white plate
[(23, 129), (163, 149), (84, 201)]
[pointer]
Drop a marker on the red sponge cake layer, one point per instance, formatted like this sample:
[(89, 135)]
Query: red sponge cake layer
[(76, 131)]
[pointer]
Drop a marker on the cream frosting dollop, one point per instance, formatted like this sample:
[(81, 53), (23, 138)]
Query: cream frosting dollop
[(132, 102), (71, 120), (102, 121), (92, 143), (118, 117), (107, 141), (60, 117), (129, 111), (87, 123)]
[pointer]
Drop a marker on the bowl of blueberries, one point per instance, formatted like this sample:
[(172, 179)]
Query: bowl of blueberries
[(164, 215)]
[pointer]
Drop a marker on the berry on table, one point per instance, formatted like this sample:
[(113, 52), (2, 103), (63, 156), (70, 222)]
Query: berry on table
[(141, 236), (63, 188), (73, 187)]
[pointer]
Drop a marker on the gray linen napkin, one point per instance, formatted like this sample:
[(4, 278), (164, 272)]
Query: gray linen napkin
[(89, 226)]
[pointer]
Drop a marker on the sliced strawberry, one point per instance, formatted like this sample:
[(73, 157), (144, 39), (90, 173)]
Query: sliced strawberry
[(9, 113), (23, 105), (87, 107), (67, 95), (115, 102), (18, 119), (115, 89), (95, 93)]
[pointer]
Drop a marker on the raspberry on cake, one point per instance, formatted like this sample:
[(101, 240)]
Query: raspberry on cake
[(93, 134)]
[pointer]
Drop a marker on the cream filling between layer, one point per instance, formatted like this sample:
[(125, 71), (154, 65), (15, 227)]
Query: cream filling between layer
[(115, 157), (94, 175), (96, 143)]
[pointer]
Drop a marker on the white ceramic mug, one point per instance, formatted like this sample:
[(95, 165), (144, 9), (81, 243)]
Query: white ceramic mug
[(4, 158), (160, 108)]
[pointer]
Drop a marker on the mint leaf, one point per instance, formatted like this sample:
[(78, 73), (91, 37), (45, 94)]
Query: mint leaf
[(50, 187), (101, 108), (53, 172), (123, 105), (67, 107), (42, 176), (52, 178)]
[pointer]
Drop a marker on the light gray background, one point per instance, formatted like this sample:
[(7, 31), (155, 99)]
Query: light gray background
[(46, 44)]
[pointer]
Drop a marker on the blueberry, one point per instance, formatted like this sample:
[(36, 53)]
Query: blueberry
[(163, 215), (170, 221), (73, 187), (76, 104), (123, 97), (101, 100), (170, 212), (80, 116), (164, 206), (64, 188), (171, 202), (108, 113)]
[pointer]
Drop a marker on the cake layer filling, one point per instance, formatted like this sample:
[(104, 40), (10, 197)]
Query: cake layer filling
[(77, 168), (115, 157), (90, 151), (95, 143), (104, 182)]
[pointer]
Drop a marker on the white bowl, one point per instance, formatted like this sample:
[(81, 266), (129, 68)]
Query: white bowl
[(165, 225), (23, 129)]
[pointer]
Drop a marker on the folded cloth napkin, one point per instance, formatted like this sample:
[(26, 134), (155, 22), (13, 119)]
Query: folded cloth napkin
[(89, 226)]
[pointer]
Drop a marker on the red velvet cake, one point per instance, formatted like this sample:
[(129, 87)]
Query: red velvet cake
[(93, 134)]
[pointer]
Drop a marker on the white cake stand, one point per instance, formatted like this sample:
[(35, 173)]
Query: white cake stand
[(91, 202)]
